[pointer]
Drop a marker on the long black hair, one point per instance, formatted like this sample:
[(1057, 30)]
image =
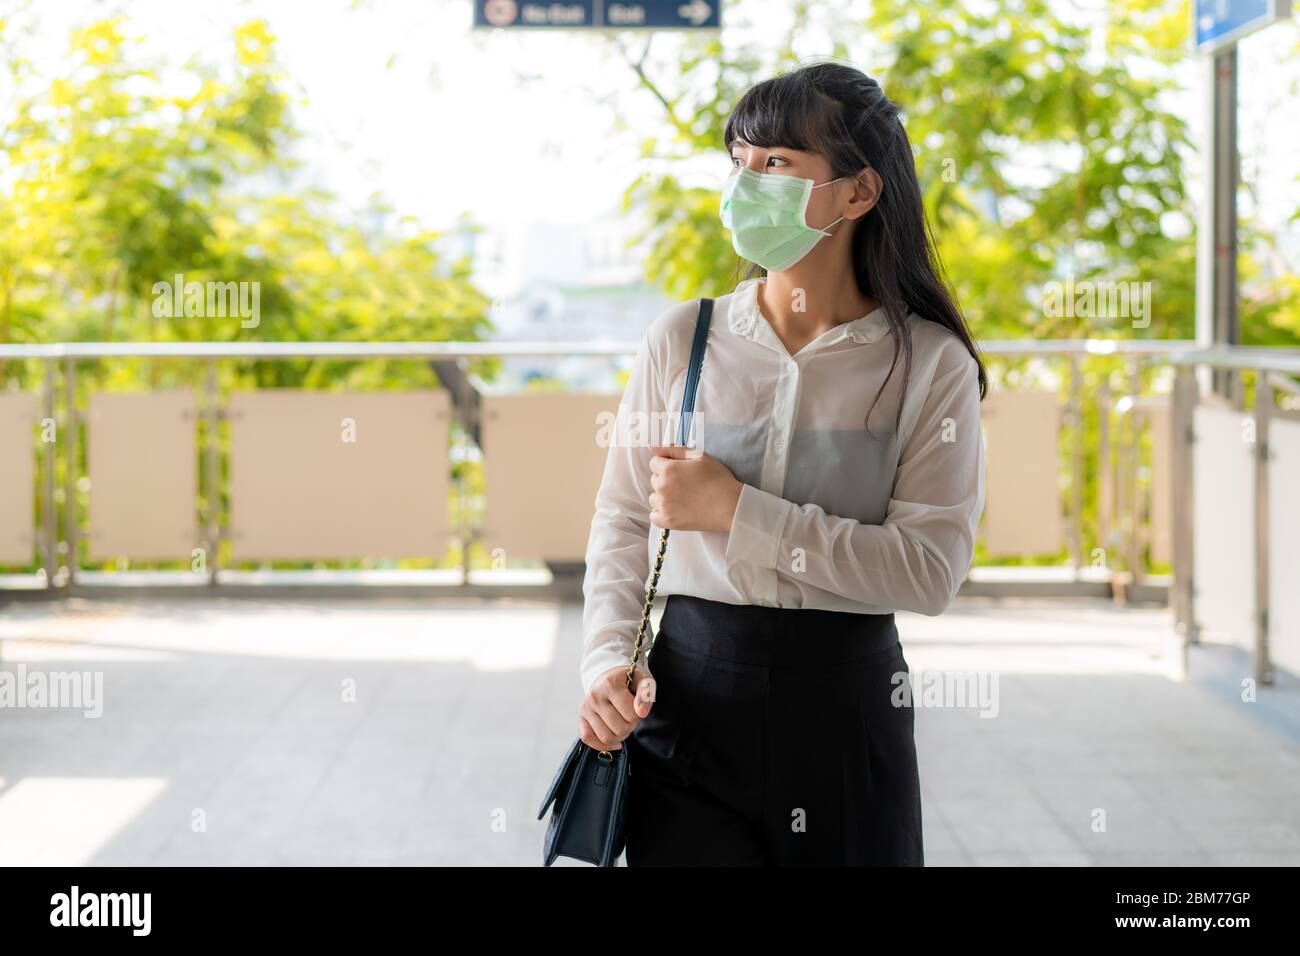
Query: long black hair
[(842, 114)]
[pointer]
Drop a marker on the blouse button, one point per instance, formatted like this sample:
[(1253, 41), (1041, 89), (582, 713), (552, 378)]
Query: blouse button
[(792, 367), (779, 444)]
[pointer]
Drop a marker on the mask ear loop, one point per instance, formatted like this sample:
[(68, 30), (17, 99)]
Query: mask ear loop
[(829, 181), (823, 229)]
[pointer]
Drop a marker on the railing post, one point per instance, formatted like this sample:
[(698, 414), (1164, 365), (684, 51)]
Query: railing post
[(1076, 479), (1134, 502), (467, 429), (212, 472), (1182, 489), (49, 517), (1263, 666), (71, 458), (1105, 477)]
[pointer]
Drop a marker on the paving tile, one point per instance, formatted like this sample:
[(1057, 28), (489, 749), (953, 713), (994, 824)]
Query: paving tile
[(461, 711)]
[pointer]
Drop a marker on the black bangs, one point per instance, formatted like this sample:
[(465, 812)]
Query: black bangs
[(786, 111)]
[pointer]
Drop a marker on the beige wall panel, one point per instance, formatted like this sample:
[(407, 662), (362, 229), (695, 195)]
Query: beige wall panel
[(1223, 492), (143, 475), (543, 466), (300, 489), (17, 477), (1022, 511), (1159, 417), (1284, 544)]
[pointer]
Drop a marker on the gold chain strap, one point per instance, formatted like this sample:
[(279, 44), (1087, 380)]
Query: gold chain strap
[(645, 611), (645, 619)]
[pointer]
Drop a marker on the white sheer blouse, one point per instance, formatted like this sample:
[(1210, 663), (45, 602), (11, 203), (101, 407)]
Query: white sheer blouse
[(837, 511)]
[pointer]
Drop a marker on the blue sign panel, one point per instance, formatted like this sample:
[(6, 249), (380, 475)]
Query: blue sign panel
[(1217, 23), (598, 14)]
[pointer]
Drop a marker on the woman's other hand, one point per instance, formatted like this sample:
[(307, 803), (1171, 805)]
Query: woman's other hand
[(610, 712)]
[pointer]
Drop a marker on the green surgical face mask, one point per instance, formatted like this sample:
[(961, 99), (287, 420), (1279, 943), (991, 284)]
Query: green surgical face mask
[(765, 213)]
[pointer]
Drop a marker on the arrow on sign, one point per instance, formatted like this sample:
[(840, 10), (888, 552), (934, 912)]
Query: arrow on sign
[(697, 11)]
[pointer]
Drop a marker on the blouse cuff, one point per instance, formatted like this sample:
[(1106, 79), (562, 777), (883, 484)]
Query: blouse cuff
[(617, 653), (757, 527)]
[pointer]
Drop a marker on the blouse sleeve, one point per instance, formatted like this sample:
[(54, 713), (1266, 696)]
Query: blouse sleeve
[(618, 562), (917, 558)]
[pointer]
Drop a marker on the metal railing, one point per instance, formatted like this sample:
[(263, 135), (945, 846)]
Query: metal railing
[(1271, 366), (1271, 369)]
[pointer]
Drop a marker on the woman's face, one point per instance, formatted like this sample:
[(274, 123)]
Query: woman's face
[(824, 205), (850, 198)]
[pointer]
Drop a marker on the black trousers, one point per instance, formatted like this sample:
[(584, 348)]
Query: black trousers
[(774, 739)]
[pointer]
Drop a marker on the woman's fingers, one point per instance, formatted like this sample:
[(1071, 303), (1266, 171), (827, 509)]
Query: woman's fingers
[(604, 729), (644, 697), (613, 717), (609, 713), (588, 735), (601, 721)]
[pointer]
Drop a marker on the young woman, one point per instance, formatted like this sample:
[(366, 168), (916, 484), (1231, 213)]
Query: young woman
[(836, 475)]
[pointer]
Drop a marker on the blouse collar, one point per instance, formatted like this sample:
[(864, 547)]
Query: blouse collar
[(746, 319)]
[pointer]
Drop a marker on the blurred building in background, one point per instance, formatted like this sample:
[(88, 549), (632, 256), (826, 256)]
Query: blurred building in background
[(567, 282)]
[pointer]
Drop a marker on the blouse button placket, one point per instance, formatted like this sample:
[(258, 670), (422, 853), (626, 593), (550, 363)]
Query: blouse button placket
[(776, 459), (784, 404)]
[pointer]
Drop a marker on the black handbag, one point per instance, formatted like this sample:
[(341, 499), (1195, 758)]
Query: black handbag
[(590, 788)]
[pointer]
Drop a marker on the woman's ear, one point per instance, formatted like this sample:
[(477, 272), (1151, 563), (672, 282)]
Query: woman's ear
[(867, 187)]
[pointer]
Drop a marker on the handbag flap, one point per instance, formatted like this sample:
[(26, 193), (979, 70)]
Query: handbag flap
[(567, 768)]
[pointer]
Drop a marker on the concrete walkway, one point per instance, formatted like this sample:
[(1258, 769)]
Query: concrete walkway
[(425, 732)]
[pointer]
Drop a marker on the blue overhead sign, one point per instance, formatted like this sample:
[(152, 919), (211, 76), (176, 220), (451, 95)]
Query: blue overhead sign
[(598, 14), (1218, 23)]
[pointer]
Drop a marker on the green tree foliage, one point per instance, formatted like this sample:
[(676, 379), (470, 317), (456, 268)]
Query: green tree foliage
[(1045, 149), (117, 175), (115, 178)]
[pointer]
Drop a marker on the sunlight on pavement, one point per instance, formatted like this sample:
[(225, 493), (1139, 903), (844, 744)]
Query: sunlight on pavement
[(64, 821)]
